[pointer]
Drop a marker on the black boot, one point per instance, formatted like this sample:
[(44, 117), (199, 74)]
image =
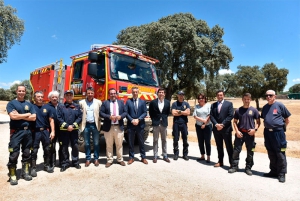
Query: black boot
[(12, 175), (47, 167), (53, 160), (26, 169), (33, 168)]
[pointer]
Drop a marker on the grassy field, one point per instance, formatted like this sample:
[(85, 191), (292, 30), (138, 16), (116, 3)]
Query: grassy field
[(292, 133)]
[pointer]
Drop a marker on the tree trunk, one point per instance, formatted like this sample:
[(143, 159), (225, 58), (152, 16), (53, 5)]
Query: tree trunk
[(257, 103)]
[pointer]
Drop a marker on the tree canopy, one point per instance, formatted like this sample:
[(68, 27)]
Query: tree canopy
[(11, 29), (257, 81), (295, 88), (186, 48), (10, 94)]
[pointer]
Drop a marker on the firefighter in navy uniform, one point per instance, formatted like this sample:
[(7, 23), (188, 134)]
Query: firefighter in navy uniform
[(69, 116), (276, 118), (52, 106), (21, 113), (180, 111), (44, 121)]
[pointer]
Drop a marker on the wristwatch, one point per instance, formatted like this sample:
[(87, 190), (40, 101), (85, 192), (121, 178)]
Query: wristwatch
[(256, 129), (179, 112)]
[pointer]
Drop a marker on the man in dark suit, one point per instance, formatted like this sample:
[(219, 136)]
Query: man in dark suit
[(137, 112), (221, 114), (159, 110), (113, 111)]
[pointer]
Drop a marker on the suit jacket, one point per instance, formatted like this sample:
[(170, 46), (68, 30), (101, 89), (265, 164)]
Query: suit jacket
[(156, 115), (97, 104), (224, 117), (140, 114), (105, 114)]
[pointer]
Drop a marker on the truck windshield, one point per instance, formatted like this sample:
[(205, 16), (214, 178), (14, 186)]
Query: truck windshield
[(123, 67)]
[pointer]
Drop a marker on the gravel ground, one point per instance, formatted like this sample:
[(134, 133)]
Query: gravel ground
[(178, 180)]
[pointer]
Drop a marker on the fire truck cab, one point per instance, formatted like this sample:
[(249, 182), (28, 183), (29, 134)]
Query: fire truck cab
[(103, 67)]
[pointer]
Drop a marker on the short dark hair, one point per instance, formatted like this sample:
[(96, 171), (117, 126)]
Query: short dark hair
[(38, 92), (90, 89), (111, 89), (219, 91), (161, 89), (203, 96), (20, 85), (247, 95)]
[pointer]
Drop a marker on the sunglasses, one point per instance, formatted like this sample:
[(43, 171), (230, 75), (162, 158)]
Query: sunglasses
[(200, 98), (269, 95)]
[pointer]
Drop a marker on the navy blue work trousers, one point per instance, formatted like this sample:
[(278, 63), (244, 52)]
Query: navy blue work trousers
[(177, 129), (275, 142)]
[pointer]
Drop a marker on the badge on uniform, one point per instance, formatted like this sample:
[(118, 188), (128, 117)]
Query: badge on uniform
[(45, 110), (26, 107), (250, 112), (184, 107), (275, 111)]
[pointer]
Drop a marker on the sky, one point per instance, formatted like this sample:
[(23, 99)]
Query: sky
[(256, 31)]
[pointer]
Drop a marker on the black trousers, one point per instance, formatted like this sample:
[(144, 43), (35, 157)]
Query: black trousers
[(53, 148), (177, 128), (19, 138), (221, 136), (250, 146), (275, 142), (204, 137), (41, 136), (65, 138)]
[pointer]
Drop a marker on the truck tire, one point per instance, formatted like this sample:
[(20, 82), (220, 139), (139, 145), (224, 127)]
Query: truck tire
[(81, 142)]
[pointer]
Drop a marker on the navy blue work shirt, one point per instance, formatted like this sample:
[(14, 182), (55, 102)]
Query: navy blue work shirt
[(22, 107), (180, 106)]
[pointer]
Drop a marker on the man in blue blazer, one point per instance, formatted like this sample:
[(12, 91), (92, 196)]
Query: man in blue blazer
[(136, 113), (113, 111), (159, 110), (221, 114)]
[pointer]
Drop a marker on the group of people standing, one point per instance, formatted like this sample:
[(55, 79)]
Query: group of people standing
[(59, 122), (217, 119)]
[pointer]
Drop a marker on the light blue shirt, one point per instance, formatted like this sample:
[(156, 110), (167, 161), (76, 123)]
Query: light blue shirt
[(90, 112), (202, 112)]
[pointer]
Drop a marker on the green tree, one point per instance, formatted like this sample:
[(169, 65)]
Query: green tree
[(13, 90), (4, 94), (257, 81), (11, 29), (295, 88), (185, 47)]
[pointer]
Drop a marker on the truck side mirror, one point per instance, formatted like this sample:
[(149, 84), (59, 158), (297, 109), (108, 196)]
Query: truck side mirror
[(92, 69)]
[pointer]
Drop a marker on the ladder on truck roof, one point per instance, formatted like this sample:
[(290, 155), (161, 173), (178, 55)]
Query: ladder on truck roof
[(59, 79), (125, 47)]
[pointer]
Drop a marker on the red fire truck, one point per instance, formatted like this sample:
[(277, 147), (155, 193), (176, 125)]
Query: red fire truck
[(103, 67)]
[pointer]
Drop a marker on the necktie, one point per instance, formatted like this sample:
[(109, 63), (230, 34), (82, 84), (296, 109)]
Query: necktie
[(219, 106), (135, 106), (114, 109)]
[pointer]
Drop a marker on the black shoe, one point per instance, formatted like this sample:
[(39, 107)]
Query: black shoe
[(232, 170), (77, 166), (200, 159), (63, 168), (175, 157), (185, 158), (281, 178), (248, 172), (270, 174)]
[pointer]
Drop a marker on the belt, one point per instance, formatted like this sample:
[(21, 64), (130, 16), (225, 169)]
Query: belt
[(90, 122), (244, 130), (115, 124), (274, 129), (22, 128), (41, 129)]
